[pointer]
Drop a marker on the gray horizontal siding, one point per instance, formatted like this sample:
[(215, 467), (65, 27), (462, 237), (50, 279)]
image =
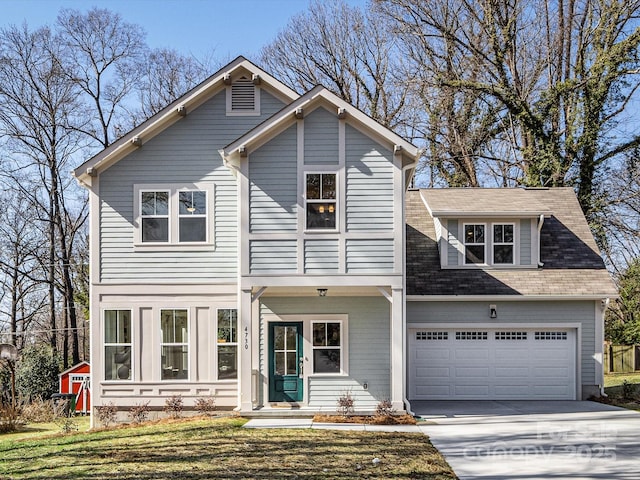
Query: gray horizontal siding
[(186, 152), (273, 256), (273, 185), (321, 256), (369, 183), (525, 313), (525, 242), (369, 347), (320, 138), (452, 244), (369, 256)]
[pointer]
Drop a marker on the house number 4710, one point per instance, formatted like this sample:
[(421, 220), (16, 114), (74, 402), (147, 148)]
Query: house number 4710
[(246, 338)]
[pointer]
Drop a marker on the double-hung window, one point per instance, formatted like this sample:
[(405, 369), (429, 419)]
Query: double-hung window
[(154, 215), (173, 214), (474, 244), (174, 347), (327, 347), (321, 206), (227, 344), (503, 243), (117, 345)]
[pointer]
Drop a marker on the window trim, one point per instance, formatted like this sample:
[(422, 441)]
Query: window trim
[(162, 344), (229, 99), (336, 200), (218, 344), (174, 190), (494, 244), (105, 345)]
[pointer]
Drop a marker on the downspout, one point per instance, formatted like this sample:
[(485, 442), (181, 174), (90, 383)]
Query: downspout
[(404, 293), (540, 223)]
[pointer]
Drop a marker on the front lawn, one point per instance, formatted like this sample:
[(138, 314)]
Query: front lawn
[(221, 448), (614, 387)]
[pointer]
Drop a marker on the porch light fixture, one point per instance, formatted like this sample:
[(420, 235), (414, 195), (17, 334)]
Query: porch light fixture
[(493, 311), (322, 292)]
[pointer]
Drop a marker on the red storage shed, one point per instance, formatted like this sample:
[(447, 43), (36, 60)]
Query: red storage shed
[(77, 380)]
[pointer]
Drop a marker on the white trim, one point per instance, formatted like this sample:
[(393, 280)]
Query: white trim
[(465, 244), (104, 345), (317, 170), (515, 257), (341, 348), (510, 298)]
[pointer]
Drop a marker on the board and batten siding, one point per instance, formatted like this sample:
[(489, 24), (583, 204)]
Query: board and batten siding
[(369, 183), (518, 312), (273, 184), (369, 347), (186, 152), (321, 138)]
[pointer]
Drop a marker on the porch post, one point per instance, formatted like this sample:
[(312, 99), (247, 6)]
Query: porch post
[(397, 335), (245, 381)]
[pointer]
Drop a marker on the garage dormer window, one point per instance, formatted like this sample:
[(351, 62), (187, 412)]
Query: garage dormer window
[(243, 97), (503, 243), (321, 204), (474, 244)]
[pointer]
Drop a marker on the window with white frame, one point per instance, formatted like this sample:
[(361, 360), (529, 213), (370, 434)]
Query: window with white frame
[(321, 206), (117, 345), (327, 347), (173, 214), (154, 216), (227, 344), (174, 346), (503, 243), (474, 244)]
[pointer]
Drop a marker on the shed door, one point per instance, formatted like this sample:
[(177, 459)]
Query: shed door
[(492, 364)]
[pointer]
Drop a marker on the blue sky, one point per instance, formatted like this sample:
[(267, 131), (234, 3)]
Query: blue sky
[(222, 28)]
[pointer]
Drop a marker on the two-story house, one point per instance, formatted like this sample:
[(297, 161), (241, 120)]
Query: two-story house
[(250, 244)]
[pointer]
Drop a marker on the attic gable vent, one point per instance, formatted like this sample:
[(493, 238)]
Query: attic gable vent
[(243, 97)]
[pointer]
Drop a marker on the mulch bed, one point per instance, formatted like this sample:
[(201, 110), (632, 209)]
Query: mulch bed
[(366, 419)]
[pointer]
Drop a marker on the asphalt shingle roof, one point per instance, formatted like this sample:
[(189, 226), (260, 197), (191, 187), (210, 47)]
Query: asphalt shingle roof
[(572, 264)]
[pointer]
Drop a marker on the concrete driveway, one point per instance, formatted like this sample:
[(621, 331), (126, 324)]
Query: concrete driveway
[(519, 440)]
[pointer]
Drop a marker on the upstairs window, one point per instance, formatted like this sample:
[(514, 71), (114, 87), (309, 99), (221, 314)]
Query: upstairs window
[(173, 215), (154, 216), (243, 97), (192, 213), (321, 201), (474, 244), (503, 244)]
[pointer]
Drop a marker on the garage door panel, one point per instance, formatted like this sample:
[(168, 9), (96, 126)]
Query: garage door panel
[(473, 354), (492, 363)]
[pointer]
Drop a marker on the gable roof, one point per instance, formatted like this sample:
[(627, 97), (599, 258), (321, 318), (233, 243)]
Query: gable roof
[(475, 202), (315, 97), (572, 266), (174, 111)]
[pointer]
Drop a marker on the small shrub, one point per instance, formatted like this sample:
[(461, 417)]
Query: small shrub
[(67, 424), (628, 390), (385, 409), (62, 408), (346, 404), (205, 405), (106, 414), (9, 418), (139, 413), (38, 411), (173, 406)]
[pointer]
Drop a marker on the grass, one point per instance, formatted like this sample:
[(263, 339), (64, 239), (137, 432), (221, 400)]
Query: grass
[(35, 430), (613, 387), (221, 448)]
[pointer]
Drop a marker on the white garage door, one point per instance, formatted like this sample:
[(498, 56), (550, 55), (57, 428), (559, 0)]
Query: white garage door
[(492, 364)]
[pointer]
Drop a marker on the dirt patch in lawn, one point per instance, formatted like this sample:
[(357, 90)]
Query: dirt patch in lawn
[(367, 419)]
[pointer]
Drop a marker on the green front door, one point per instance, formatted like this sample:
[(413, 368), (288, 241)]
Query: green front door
[(285, 362)]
